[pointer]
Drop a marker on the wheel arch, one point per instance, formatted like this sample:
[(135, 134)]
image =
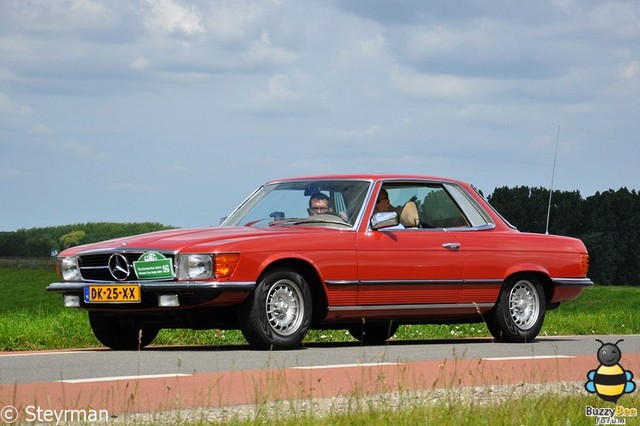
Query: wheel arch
[(312, 276)]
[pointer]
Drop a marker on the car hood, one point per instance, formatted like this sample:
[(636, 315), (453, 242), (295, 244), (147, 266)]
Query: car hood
[(197, 239)]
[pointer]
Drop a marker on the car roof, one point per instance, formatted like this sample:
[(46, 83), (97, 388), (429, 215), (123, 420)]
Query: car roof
[(369, 176)]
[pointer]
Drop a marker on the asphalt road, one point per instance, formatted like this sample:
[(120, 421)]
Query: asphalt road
[(56, 366)]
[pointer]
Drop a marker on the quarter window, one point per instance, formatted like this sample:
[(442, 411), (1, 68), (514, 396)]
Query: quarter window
[(435, 206)]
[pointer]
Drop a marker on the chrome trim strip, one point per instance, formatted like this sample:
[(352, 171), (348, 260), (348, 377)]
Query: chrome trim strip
[(411, 307), (124, 249), (557, 281), (448, 229), (414, 282), (585, 282), (161, 286), (485, 281), (411, 282)]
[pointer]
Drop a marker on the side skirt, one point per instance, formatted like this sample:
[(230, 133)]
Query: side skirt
[(427, 312)]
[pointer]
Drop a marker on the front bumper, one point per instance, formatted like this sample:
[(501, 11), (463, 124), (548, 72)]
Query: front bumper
[(189, 293)]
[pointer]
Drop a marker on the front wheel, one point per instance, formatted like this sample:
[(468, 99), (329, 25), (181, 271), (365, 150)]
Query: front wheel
[(277, 315), (120, 334), (519, 313)]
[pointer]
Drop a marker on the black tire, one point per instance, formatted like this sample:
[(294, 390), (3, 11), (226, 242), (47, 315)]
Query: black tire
[(373, 332), (519, 313), (277, 315), (120, 334)]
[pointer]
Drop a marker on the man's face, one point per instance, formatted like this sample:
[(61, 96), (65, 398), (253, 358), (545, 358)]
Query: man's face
[(382, 203), (319, 207)]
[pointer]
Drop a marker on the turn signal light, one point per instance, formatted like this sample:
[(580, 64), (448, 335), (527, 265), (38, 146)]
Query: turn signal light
[(225, 264), (584, 264)]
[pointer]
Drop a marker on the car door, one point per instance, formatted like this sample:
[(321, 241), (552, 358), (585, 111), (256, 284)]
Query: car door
[(415, 264), (408, 267)]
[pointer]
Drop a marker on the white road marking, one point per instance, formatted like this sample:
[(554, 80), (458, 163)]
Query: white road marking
[(109, 379), (41, 353), (515, 358), (371, 364)]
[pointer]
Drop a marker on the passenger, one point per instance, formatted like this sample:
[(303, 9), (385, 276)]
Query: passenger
[(384, 205), (318, 204)]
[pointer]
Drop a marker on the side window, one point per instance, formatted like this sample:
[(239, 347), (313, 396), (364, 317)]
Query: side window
[(438, 210), (424, 206)]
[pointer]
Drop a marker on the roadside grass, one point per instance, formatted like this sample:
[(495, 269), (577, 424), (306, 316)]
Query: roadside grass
[(524, 404), (549, 409), (34, 319)]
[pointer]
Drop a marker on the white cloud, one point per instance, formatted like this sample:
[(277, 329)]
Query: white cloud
[(262, 51), (59, 15), (370, 49), (139, 64), (437, 87), (352, 135), (137, 187), (81, 150), (14, 113), (233, 20), (282, 94), (631, 70), (170, 16), (15, 174)]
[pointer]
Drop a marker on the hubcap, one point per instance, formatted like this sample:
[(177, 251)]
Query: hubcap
[(524, 305), (284, 307)]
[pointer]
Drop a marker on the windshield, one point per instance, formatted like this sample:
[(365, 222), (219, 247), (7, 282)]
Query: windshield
[(317, 202)]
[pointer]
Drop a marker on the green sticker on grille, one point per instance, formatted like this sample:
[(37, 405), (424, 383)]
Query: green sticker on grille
[(153, 265)]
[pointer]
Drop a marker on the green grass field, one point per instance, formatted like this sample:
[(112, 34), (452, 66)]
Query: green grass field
[(33, 319)]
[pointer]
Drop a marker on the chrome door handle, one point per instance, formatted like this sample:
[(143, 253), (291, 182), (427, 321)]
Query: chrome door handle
[(451, 246)]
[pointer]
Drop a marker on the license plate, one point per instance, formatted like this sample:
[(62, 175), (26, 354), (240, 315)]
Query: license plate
[(112, 294)]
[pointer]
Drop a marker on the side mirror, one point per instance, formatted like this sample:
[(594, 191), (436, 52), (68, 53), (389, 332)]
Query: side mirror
[(384, 220)]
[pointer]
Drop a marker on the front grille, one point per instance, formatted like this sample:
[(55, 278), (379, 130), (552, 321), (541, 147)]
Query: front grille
[(94, 267)]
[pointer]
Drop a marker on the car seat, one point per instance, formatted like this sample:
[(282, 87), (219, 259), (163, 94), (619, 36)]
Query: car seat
[(409, 217)]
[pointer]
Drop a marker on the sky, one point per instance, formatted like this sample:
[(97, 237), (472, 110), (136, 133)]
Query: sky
[(173, 111)]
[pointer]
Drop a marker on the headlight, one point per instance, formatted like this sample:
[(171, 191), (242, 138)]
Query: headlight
[(69, 270), (195, 266), (206, 266)]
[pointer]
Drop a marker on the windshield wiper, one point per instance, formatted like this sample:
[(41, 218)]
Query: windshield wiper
[(305, 220)]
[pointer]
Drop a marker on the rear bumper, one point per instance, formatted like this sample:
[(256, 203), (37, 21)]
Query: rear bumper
[(565, 289), (581, 282)]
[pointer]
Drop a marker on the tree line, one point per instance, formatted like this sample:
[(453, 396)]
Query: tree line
[(608, 223), (42, 242)]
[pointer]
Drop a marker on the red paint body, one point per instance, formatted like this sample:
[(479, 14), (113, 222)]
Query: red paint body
[(359, 272)]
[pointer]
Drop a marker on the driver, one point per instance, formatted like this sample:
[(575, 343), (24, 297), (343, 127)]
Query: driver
[(318, 204)]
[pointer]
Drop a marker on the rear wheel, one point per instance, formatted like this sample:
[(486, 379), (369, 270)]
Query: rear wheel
[(519, 313), (119, 333), (277, 315), (373, 332)]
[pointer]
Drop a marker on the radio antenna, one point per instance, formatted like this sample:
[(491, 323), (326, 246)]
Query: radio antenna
[(553, 173)]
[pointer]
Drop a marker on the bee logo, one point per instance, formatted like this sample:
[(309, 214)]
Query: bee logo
[(609, 381)]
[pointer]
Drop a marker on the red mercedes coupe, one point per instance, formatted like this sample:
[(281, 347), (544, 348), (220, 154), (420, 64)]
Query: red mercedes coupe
[(366, 253)]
